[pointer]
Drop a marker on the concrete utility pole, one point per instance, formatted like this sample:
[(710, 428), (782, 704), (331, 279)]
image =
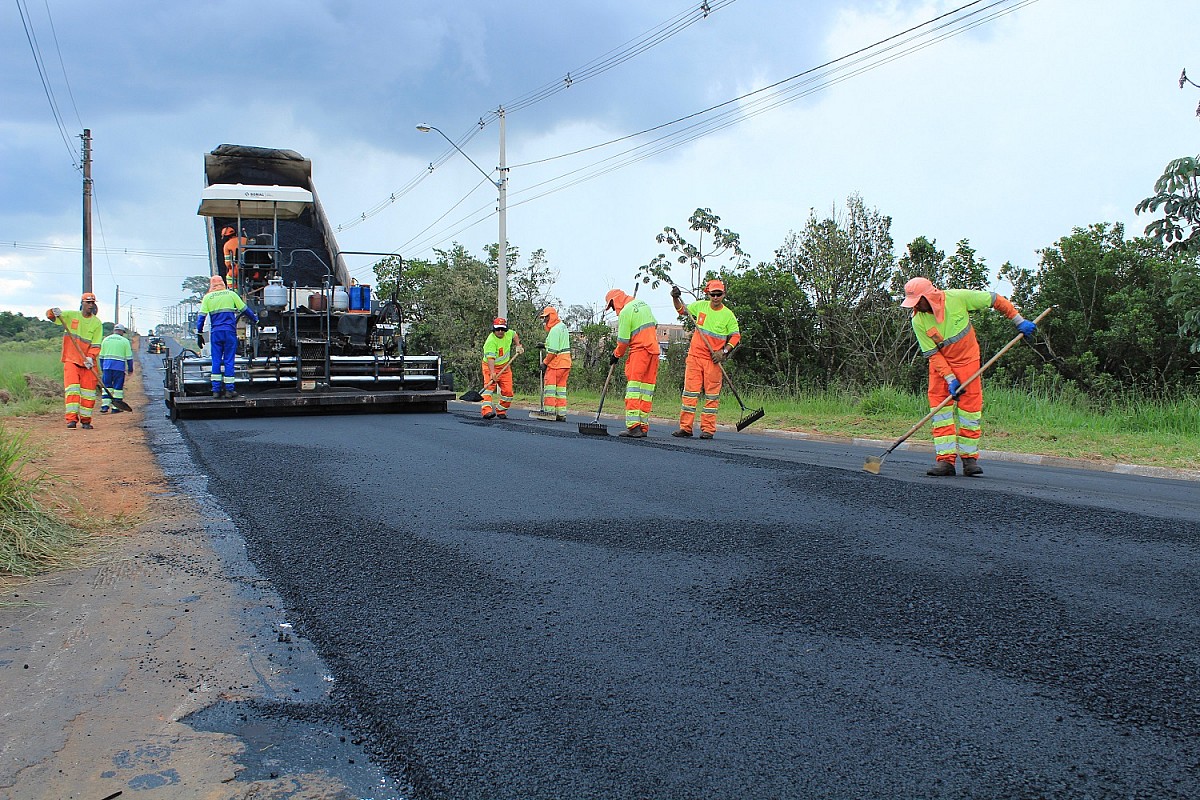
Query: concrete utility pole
[(117, 306), (87, 210)]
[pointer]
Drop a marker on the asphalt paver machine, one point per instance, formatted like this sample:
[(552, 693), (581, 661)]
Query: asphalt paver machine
[(322, 343)]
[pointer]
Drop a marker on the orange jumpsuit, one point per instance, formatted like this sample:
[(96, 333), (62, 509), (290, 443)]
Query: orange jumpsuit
[(79, 382), (719, 328), (558, 365), (637, 334)]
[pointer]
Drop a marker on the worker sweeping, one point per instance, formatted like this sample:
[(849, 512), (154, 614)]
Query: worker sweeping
[(636, 334), (498, 351), (116, 361), (82, 334), (556, 364), (225, 307), (715, 337), (942, 323)]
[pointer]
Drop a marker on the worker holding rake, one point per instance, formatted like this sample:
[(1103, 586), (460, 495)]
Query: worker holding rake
[(713, 340), (498, 351), (637, 334), (83, 333), (942, 323)]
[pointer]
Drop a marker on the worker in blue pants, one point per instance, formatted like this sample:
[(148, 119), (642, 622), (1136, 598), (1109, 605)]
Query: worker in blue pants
[(224, 306)]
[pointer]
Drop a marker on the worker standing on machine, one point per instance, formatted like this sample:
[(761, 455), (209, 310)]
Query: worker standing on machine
[(941, 320), (556, 366), (85, 330), (224, 306), (116, 360), (232, 250), (713, 340), (499, 349), (637, 334)]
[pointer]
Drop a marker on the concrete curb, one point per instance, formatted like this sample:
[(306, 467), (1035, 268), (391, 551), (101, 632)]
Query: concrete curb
[(988, 455)]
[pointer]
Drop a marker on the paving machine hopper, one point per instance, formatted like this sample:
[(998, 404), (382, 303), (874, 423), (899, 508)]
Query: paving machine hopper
[(322, 343)]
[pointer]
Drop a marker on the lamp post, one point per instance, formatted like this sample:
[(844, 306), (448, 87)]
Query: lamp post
[(502, 187)]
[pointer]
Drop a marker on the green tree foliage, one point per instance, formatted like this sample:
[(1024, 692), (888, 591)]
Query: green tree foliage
[(1177, 193), (1114, 328), (196, 287), (723, 243), (778, 325), (20, 328)]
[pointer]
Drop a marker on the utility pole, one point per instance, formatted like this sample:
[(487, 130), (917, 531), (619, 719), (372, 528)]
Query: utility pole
[(502, 250), (87, 210), (117, 306)]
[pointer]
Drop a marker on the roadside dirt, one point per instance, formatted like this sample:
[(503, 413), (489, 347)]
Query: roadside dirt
[(101, 662)]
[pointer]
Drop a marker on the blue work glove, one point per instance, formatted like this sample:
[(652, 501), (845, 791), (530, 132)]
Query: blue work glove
[(1027, 328), (954, 386)]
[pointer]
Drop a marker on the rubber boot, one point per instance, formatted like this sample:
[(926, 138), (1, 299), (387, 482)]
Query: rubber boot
[(941, 469), (971, 467)]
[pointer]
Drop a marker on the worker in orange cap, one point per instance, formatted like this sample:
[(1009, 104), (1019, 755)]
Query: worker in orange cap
[(941, 321), (499, 349), (83, 333), (224, 306), (637, 335), (556, 364), (232, 251), (713, 340)]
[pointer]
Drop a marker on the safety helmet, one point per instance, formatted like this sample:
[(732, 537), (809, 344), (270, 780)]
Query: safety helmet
[(714, 286), (87, 297), (227, 231), (548, 311), (499, 324), (119, 328)]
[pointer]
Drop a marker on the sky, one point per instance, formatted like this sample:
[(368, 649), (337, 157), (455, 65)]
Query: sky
[(1056, 115)]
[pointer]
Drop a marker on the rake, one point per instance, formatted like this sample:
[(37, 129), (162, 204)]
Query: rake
[(874, 464), (116, 401), (749, 417), (598, 428)]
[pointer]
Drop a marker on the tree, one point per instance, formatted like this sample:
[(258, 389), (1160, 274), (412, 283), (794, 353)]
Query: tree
[(196, 287), (777, 323), (723, 243), (1177, 193)]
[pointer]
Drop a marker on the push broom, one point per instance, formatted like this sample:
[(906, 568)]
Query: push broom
[(874, 464), (749, 417), (542, 413), (598, 428)]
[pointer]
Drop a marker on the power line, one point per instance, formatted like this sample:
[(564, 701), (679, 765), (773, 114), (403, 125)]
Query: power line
[(31, 37), (61, 63)]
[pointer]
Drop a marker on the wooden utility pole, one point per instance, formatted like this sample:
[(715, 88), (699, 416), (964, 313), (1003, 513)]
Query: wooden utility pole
[(87, 210)]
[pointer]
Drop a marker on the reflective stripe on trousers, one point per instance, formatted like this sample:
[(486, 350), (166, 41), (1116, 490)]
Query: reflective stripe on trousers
[(641, 376), (506, 394), (79, 392), (957, 428), (554, 394), (701, 376)]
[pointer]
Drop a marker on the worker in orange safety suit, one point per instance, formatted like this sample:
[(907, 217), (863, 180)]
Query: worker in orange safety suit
[(499, 349), (83, 333), (637, 335), (713, 340), (942, 323), (556, 364), (232, 251)]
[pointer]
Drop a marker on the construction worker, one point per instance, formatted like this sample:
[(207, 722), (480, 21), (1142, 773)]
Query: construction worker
[(556, 364), (499, 349), (636, 334), (116, 360), (713, 340), (232, 251), (942, 323), (82, 334), (225, 307)]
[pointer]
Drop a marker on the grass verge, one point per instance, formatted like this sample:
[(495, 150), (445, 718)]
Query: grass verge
[(17, 362)]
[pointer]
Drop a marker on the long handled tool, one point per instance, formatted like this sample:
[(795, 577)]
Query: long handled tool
[(598, 428), (749, 417), (474, 395), (542, 413), (874, 464), (116, 401)]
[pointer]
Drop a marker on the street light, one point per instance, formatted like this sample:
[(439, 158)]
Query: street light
[(502, 187)]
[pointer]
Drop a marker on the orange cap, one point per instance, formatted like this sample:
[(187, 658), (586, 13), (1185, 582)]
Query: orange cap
[(227, 231), (87, 297), (548, 311), (714, 286), (914, 290), (499, 322), (616, 300), (216, 283)]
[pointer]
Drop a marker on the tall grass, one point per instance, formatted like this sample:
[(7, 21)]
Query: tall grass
[(32, 539), (17, 359)]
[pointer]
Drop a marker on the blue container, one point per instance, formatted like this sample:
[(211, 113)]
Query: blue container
[(360, 298)]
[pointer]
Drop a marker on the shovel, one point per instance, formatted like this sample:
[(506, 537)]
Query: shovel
[(749, 417), (874, 464), (121, 404), (597, 428), (474, 395), (543, 414)]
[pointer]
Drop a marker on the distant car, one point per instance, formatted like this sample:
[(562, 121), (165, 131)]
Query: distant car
[(156, 345)]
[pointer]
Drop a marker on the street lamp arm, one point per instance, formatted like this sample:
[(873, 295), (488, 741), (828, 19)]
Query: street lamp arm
[(428, 128)]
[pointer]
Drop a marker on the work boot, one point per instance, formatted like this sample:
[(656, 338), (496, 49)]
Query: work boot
[(971, 467), (103, 409), (633, 433), (941, 469), (231, 395), (706, 436), (501, 415), (682, 434), (218, 394), (560, 417), (490, 415), (115, 410), (87, 426), (72, 424)]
